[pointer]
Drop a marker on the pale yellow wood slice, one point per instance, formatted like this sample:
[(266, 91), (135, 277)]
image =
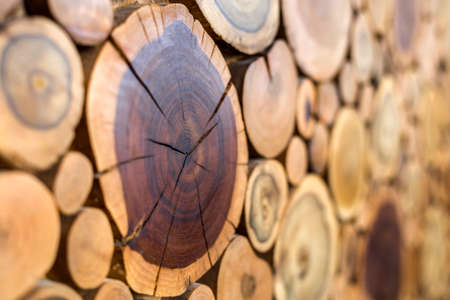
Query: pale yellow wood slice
[(327, 102), (347, 162), (46, 289), (381, 13), (348, 84), (113, 289), (386, 131), (29, 227), (7, 6), (268, 100), (305, 254), (318, 148), (318, 32), (249, 26), (296, 161), (41, 92), (265, 201), (242, 274), (362, 51), (73, 182), (365, 104), (305, 107)]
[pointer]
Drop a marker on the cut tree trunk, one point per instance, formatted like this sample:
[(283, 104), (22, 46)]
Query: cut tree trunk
[(348, 163), (196, 291), (380, 13), (265, 201), (365, 103), (73, 182), (242, 274), (362, 51), (173, 162), (29, 232), (318, 31), (327, 102), (41, 92), (111, 289), (386, 131), (249, 26), (318, 148), (296, 160), (46, 289), (305, 107), (306, 250), (268, 100), (383, 265), (87, 21), (348, 84)]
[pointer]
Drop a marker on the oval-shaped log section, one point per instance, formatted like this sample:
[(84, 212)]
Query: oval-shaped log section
[(168, 137), (327, 102), (318, 33), (383, 251), (296, 160), (29, 232), (406, 29), (88, 22), (50, 290), (386, 131), (347, 162), (362, 51), (268, 100), (242, 274), (249, 26), (265, 201), (111, 289), (73, 182), (306, 250), (305, 107), (41, 92)]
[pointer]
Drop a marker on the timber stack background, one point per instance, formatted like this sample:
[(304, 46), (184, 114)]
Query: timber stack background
[(201, 149)]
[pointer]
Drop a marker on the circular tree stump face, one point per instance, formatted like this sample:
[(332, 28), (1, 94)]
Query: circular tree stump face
[(168, 135)]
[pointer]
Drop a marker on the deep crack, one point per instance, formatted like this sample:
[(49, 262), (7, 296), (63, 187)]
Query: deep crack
[(100, 173), (204, 136), (166, 145), (134, 72), (221, 100), (202, 223)]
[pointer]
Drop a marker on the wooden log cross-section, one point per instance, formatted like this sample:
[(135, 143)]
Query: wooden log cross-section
[(41, 92), (169, 142), (305, 254)]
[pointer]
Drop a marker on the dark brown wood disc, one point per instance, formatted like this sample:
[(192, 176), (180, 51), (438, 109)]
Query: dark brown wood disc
[(168, 135)]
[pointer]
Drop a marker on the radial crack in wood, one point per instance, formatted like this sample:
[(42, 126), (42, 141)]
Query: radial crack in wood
[(176, 216)]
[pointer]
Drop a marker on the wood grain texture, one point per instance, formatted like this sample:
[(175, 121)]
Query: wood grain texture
[(318, 148), (305, 254), (348, 163), (296, 161), (348, 85), (265, 202), (268, 100), (168, 137), (29, 230), (362, 51), (249, 26), (41, 92), (365, 103), (111, 289), (242, 274), (327, 102), (305, 108), (318, 32), (73, 182)]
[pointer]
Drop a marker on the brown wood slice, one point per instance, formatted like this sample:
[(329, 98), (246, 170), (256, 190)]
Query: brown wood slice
[(306, 250), (269, 100), (265, 201), (347, 162), (90, 248), (383, 253), (7, 6), (88, 22), (434, 259), (73, 182), (305, 107), (318, 32), (41, 92), (48, 290), (168, 136), (318, 148), (242, 274), (386, 131), (29, 232), (348, 84), (248, 26), (327, 102), (196, 291), (296, 161), (362, 51)]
